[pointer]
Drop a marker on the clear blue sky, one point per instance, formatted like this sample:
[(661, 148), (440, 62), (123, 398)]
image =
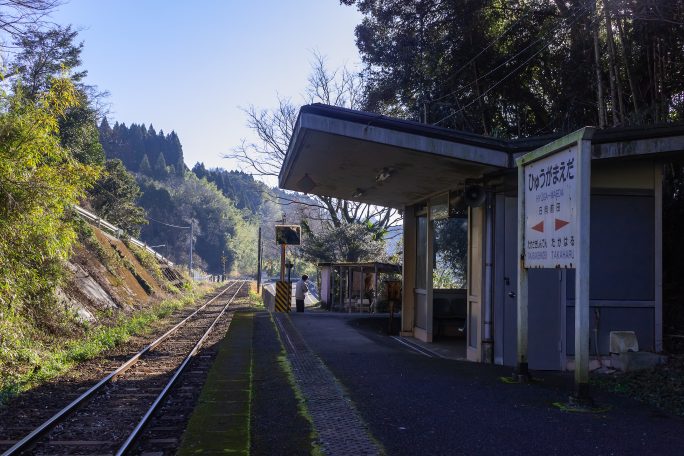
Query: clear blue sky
[(189, 66)]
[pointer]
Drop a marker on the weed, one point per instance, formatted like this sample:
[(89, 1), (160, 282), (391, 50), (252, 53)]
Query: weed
[(25, 363), (255, 300)]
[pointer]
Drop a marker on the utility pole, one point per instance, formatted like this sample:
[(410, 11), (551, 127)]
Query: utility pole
[(259, 263), (223, 261), (191, 234)]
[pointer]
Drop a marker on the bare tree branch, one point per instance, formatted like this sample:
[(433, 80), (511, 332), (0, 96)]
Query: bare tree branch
[(274, 128), (19, 16)]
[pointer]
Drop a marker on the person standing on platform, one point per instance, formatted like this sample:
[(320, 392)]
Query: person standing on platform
[(301, 289)]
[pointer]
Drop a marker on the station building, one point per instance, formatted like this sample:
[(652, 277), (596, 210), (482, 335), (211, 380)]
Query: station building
[(426, 171)]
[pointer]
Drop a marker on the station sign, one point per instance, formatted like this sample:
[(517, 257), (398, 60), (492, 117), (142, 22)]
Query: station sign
[(288, 234), (551, 210), (553, 232)]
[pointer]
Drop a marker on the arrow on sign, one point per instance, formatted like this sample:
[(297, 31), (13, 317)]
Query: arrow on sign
[(539, 227), (560, 224)]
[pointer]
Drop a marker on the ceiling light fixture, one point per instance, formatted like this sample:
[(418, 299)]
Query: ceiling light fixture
[(384, 175), (306, 184)]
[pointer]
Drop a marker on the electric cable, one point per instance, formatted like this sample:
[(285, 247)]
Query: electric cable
[(482, 51), (576, 13), (168, 224)]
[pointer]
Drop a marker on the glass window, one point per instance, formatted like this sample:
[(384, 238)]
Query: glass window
[(450, 252), (439, 207), (421, 252)]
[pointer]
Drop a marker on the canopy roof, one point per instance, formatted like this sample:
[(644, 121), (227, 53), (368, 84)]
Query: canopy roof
[(381, 267), (374, 159)]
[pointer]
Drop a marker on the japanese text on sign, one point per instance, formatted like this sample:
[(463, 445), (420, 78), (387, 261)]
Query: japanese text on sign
[(550, 211)]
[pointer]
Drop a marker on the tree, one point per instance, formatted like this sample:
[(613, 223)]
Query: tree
[(219, 225), (351, 242), (45, 54), (160, 169), (243, 189), (180, 167), (130, 144), (17, 17), (145, 167), (39, 181), (79, 133), (514, 68), (451, 252), (274, 129), (114, 198)]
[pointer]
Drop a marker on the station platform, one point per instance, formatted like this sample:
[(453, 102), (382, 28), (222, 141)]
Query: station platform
[(324, 383)]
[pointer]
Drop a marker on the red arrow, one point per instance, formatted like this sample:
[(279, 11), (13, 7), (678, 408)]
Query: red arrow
[(560, 224), (539, 227)]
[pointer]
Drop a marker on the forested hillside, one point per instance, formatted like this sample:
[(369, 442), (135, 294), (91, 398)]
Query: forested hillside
[(142, 149), (223, 207), (67, 289)]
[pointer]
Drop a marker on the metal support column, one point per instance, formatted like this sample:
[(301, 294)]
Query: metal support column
[(521, 369), (258, 264), (583, 177)]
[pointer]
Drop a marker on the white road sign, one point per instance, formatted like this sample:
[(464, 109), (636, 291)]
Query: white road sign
[(551, 211)]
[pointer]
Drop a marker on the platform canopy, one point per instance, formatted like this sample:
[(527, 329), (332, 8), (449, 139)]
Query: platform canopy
[(388, 268), (374, 159)]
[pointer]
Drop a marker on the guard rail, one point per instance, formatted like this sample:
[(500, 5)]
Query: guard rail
[(118, 232)]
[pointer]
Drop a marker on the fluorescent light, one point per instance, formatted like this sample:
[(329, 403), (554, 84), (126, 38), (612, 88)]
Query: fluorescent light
[(306, 184), (384, 175)]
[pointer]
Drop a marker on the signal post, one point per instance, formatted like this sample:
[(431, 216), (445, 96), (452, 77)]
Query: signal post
[(285, 235)]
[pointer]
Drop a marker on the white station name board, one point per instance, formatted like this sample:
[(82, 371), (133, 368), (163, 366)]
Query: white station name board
[(551, 211)]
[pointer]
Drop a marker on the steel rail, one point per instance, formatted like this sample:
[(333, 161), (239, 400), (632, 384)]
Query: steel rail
[(126, 446), (24, 443)]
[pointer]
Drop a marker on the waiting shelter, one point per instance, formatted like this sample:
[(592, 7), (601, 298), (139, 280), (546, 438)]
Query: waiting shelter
[(369, 286), (430, 172)]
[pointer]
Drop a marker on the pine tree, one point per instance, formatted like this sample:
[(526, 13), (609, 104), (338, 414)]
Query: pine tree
[(199, 170), (160, 169), (105, 129), (180, 167), (145, 167)]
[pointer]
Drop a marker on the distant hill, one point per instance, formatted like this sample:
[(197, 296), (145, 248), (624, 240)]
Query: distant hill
[(242, 188), (223, 207), (143, 150)]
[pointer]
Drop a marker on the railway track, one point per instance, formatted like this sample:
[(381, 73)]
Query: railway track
[(111, 416)]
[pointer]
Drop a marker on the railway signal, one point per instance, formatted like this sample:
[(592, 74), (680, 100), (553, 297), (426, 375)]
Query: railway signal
[(285, 235)]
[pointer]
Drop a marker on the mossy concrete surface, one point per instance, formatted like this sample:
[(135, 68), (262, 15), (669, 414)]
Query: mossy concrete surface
[(279, 421), (220, 423)]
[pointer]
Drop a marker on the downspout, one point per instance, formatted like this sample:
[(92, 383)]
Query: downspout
[(487, 341)]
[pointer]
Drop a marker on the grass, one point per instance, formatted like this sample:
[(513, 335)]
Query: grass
[(255, 300), (220, 422), (46, 362), (661, 386)]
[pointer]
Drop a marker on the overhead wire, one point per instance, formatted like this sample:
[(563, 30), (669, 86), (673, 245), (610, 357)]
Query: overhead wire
[(146, 216), (482, 51), (576, 15), (168, 224)]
